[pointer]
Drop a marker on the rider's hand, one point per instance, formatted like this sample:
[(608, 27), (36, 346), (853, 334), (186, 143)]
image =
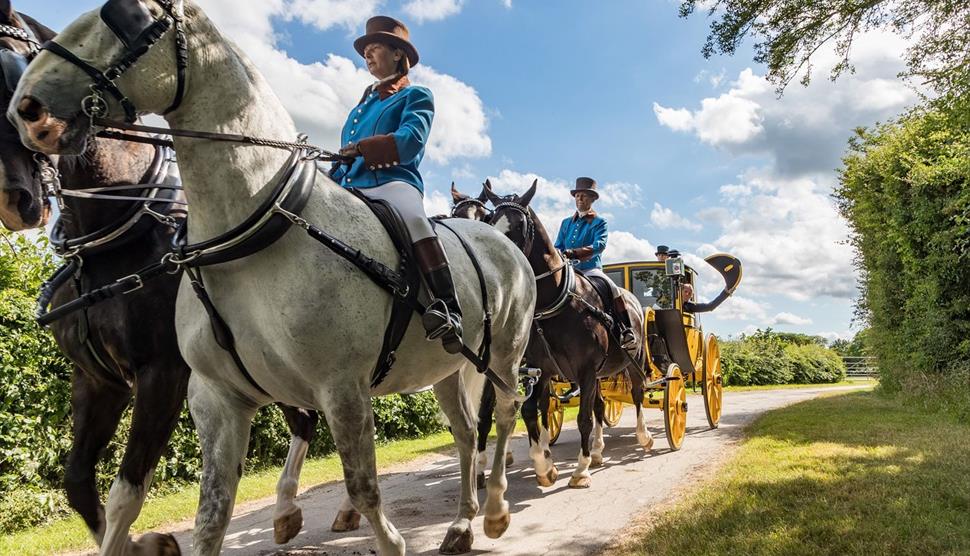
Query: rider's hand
[(569, 254), (350, 150)]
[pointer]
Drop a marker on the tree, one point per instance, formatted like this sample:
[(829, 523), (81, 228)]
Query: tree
[(790, 32)]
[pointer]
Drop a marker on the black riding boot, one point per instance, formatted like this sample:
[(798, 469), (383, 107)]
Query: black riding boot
[(442, 318), (628, 340)]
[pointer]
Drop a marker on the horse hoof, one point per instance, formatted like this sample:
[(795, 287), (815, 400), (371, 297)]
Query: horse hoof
[(346, 521), (596, 460), (646, 441), (457, 542), (495, 527), (480, 480), (287, 526), (508, 459), (157, 543), (549, 478), (580, 482)]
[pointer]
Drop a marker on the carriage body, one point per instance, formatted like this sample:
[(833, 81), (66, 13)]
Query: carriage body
[(678, 355)]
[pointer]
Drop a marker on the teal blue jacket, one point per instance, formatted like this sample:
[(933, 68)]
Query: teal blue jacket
[(586, 237), (391, 128)]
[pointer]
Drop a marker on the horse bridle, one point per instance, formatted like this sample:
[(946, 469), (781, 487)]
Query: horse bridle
[(476, 203), (138, 31)]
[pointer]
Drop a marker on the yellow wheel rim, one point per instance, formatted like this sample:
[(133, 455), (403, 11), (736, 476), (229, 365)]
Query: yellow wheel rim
[(613, 412), (675, 408), (555, 415), (713, 385)]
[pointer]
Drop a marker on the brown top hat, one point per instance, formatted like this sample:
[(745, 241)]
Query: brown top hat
[(387, 30), (586, 184)]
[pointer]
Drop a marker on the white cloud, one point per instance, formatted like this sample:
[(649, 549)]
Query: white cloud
[(804, 131), (665, 218), (324, 14), (432, 10), (320, 94), (624, 247), (789, 237), (436, 203), (789, 318), (742, 308), (507, 3)]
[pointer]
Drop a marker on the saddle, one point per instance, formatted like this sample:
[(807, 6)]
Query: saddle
[(605, 293)]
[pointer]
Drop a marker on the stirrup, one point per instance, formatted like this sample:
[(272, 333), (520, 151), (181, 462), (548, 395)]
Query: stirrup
[(436, 320), (628, 339)]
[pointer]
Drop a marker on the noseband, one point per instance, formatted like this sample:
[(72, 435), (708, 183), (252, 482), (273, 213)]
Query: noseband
[(134, 26)]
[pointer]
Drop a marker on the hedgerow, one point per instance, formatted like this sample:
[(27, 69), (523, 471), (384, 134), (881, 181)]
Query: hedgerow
[(767, 357), (904, 190)]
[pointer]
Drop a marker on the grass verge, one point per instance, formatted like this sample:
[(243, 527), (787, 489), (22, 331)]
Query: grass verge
[(854, 473), (855, 382)]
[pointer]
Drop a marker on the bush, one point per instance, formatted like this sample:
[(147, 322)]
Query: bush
[(904, 190), (768, 357), (35, 419)]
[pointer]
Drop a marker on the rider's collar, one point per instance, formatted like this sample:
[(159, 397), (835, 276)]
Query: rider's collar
[(589, 216), (388, 86)]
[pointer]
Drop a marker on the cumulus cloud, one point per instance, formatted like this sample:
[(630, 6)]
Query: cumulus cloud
[(624, 247), (436, 202), (320, 94), (432, 10), (789, 237), (741, 308), (804, 131), (789, 318), (665, 218)]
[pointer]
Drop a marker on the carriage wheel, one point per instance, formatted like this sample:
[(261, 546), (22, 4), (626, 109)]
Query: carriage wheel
[(612, 413), (556, 415), (675, 407), (713, 387)]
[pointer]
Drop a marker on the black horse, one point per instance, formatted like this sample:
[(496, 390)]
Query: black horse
[(571, 338), (124, 346)]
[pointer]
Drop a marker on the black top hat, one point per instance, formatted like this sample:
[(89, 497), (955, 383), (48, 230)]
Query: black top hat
[(387, 30), (586, 184), (662, 250), (673, 253)]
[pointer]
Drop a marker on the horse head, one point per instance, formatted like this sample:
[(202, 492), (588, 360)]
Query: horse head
[(23, 204), (513, 217), (82, 74), (468, 207)]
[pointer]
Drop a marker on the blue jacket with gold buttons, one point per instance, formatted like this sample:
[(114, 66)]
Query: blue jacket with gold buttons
[(585, 237), (390, 126)]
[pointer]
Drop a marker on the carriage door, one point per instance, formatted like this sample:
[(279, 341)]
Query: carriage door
[(651, 286)]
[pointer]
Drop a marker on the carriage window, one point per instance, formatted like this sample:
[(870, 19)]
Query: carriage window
[(616, 276), (652, 287)]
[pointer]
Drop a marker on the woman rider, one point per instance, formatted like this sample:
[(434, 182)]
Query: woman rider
[(582, 237), (386, 134)]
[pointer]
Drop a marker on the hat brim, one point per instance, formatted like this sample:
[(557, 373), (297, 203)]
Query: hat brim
[(388, 38), (591, 191)]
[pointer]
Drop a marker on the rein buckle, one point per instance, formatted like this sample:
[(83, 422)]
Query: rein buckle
[(138, 283)]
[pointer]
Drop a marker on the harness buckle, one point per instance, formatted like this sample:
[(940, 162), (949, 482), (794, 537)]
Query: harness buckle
[(94, 105), (294, 218), (138, 283)]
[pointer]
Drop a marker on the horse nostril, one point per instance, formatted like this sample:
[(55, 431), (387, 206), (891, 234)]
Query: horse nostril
[(31, 110)]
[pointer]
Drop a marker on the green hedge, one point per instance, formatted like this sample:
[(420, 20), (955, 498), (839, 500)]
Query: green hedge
[(767, 357), (904, 190), (35, 419)]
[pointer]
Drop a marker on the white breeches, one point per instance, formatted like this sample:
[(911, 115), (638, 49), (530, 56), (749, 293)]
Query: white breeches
[(409, 202)]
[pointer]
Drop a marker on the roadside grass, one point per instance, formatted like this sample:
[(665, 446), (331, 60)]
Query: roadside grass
[(853, 473)]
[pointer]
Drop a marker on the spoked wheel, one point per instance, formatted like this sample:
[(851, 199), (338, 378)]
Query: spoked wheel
[(712, 387), (556, 414), (675, 407), (612, 413)]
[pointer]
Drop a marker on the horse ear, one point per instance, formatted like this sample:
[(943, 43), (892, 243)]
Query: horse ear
[(489, 194), (456, 195), (6, 13), (524, 200), (481, 196)]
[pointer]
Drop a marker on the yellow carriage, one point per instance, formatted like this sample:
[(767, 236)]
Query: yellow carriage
[(678, 355)]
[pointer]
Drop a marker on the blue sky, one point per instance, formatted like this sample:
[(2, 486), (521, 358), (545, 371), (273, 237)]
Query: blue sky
[(698, 154)]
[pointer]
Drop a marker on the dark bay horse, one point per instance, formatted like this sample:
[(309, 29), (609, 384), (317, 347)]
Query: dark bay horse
[(570, 338), (125, 346)]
